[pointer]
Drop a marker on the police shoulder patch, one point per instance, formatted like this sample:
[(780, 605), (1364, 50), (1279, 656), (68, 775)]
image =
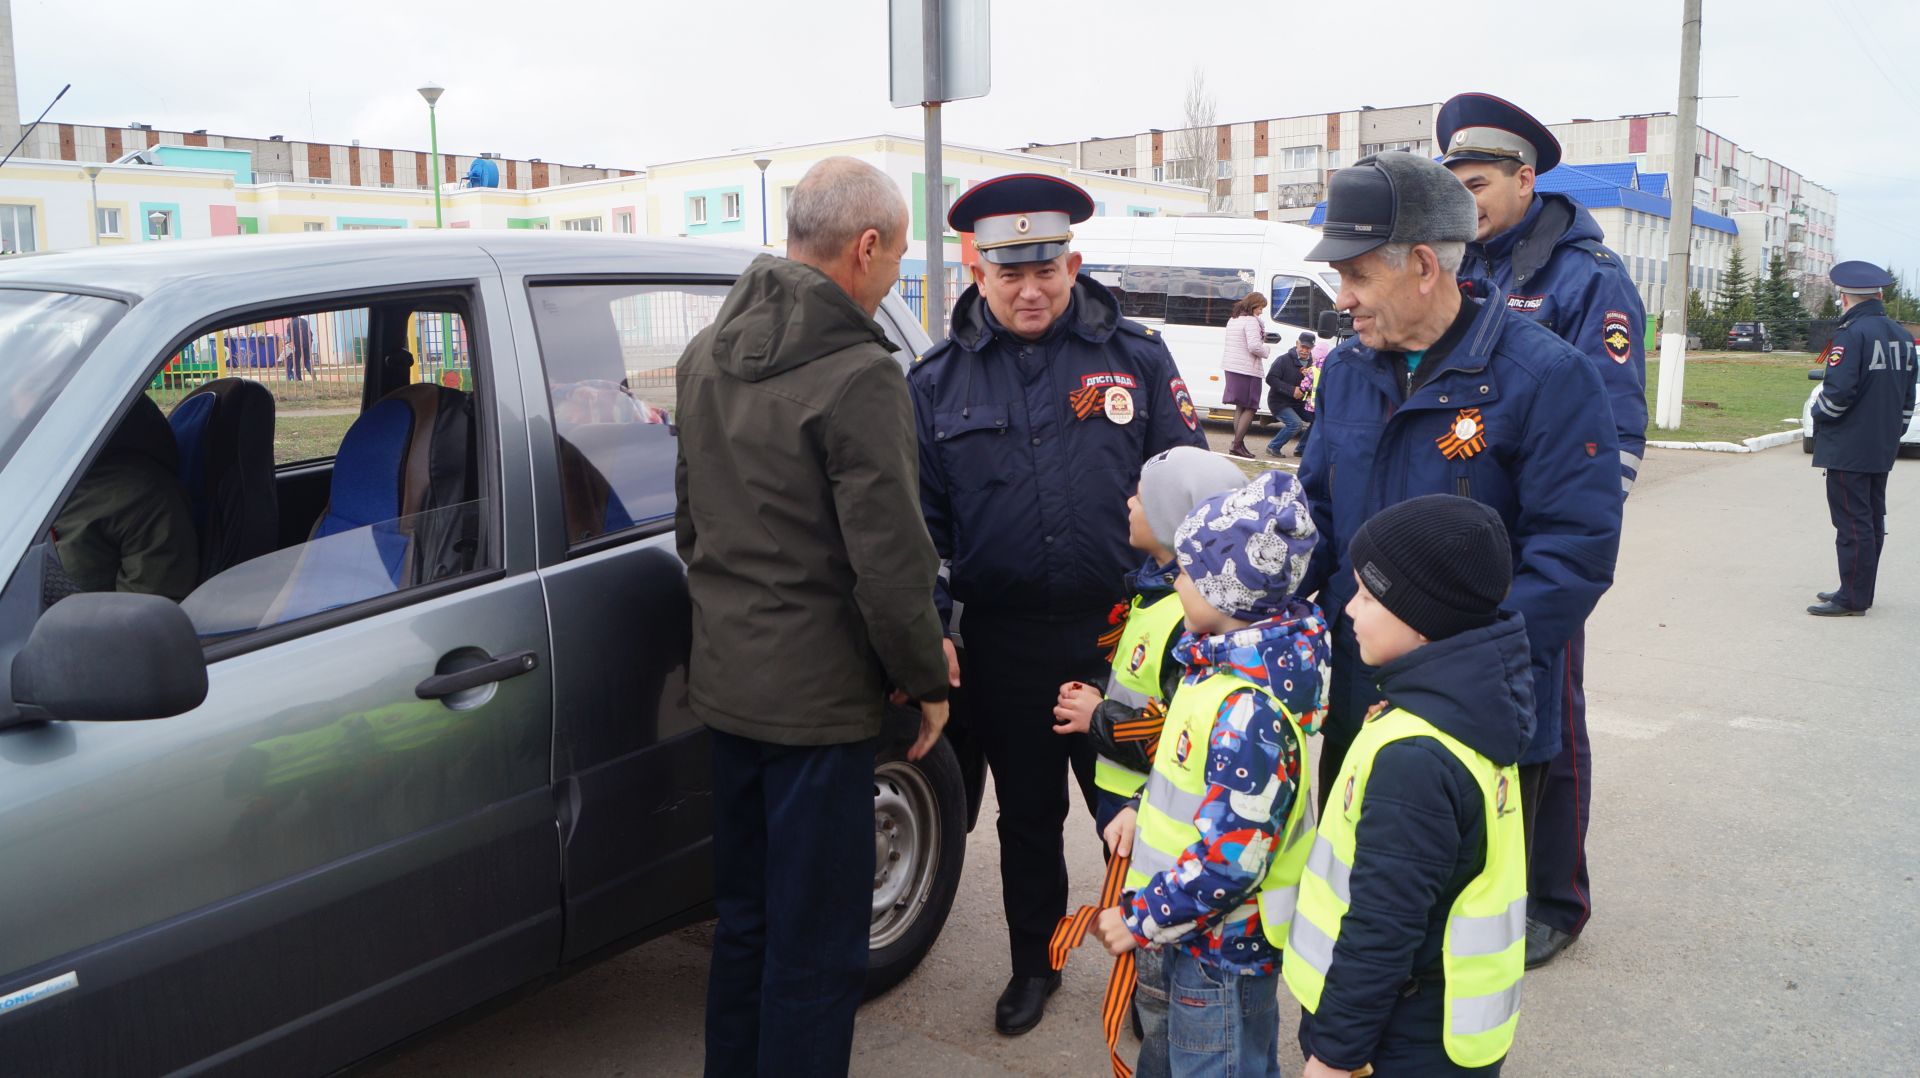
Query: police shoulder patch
[(1834, 354), (1616, 336)]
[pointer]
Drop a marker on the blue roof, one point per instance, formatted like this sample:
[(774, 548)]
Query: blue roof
[(1599, 186)]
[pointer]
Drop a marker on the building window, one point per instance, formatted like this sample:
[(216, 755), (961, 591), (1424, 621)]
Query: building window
[(314, 226), (697, 210), (581, 224), (1224, 171), (1137, 211), (318, 180), (623, 223), (16, 230), (160, 225), (107, 221), (730, 206), (1295, 158), (1159, 174)]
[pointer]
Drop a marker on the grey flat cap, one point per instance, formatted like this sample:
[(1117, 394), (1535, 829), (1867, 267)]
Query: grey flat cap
[(1393, 197)]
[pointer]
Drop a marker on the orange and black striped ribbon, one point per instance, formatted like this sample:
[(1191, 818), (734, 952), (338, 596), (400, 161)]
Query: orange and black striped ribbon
[(1072, 931)]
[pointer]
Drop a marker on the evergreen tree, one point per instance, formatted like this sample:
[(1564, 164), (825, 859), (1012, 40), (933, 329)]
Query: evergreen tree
[(1901, 305), (1830, 305), (1736, 289), (1774, 304)]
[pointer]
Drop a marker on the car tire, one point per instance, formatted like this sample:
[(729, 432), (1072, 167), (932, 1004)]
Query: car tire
[(1909, 451), (920, 848)]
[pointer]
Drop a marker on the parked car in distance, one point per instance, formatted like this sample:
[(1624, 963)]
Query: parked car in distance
[(418, 735), (1748, 337)]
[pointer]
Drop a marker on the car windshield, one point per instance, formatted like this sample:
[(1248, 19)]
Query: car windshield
[(43, 338)]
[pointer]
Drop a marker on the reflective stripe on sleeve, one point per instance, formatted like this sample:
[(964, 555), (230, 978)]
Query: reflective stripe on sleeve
[(1468, 936), (1150, 862)]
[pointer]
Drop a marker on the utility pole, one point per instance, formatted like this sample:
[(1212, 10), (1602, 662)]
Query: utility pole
[(1673, 323), (935, 293)]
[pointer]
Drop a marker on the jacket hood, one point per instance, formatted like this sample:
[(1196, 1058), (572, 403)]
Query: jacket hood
[(146, 432), (1153, 578), (1092, 315), (1477, 686), (782, 314), (1287, 654), (1553, 221)]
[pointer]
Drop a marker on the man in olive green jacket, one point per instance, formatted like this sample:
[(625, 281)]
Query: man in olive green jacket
[(812, 576)]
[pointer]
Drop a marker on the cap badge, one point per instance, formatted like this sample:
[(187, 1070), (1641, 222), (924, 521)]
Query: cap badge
[(1466, 437), (1022, 225)]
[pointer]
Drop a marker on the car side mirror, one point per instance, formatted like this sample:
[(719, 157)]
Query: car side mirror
[(1817, 374), (110, 656), (1329, 324)]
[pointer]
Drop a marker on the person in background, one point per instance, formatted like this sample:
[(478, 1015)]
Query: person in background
[(1243, 361), (127, 525), (299, 350), (1289, 388)]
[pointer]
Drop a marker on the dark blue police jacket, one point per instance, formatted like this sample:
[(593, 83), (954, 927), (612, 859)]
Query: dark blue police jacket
[(1513, 418), (1028, 455), (1553, 268), (1866, 399)]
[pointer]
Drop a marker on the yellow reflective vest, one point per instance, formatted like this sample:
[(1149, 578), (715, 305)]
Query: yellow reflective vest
[(1178, 784), (1137, 664), (1484, 952)]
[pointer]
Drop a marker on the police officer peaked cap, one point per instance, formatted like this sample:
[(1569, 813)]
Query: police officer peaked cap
[(1482, 127), (1858, 278), (1393, 197), (1021, 218)]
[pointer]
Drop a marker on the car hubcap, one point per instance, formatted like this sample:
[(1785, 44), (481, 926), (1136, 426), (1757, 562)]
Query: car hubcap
[(906, 849)]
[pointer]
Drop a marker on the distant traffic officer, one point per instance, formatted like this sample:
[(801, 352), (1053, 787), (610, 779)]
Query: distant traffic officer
[(1542, 255), (1035, 416), (1863, 408)]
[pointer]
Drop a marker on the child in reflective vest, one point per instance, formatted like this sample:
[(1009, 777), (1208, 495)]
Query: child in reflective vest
[(1226, 795), (1124, 723), (1408, 937)]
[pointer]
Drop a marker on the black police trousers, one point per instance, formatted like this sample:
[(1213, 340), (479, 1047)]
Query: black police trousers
[(1857, 501), (1012, 669)]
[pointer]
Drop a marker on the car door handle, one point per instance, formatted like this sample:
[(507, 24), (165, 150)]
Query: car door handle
[(440, 686)]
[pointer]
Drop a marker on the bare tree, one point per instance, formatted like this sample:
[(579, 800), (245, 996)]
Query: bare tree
[(1196, 153)]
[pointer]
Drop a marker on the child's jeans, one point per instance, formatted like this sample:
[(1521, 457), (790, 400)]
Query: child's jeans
[(1220, 1024), (1150, 1004)]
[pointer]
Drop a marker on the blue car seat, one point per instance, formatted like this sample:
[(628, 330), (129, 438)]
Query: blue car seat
[(225, 433)]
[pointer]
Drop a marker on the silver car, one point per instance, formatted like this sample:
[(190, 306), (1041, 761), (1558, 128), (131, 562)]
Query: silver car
[(414, 732)]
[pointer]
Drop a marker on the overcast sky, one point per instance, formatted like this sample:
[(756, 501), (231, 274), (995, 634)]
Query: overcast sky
[(1826, 87)]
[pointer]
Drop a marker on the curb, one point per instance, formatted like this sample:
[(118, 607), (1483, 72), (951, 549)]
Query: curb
[(1751, 445)]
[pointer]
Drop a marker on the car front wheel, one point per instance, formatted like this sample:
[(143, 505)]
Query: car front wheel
[(919, 849)]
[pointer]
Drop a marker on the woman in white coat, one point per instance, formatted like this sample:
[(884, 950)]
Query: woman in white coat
[(1244, 362)]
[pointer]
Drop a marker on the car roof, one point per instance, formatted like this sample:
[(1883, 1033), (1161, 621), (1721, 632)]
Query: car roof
[(141, 270)]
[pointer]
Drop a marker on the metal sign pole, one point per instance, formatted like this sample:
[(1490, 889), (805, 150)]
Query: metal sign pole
[(936, 216)]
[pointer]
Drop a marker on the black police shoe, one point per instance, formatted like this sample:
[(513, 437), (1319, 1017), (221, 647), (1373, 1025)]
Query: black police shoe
[(1023, 1004), (1831, 609), (1544, 942), (1825, 596)]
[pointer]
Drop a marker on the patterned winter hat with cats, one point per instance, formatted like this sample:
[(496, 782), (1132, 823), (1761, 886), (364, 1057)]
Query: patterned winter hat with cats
[(1247, 549)]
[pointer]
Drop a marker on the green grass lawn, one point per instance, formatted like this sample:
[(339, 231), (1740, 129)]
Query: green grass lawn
[(1729, 396), (306, 437)]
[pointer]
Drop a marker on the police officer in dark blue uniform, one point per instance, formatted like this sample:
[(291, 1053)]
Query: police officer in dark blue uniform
[(1542, 254), (1034, 417), (1864, 406)]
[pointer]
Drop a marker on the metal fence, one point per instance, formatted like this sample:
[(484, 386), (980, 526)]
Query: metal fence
[(914, 291), (329, 371)]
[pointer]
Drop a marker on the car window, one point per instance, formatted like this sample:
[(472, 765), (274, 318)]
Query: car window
[(249, 483), (43, 338), (1297, 301), (610, 351)]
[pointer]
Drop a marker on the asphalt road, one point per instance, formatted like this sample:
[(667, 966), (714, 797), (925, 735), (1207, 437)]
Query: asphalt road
[(1753, 846)]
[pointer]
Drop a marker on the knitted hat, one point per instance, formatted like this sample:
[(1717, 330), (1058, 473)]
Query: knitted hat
[(1173, 482), (1441, 563), (1247, 549)]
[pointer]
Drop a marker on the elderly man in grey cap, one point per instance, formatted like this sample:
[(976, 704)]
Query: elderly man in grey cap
[(1440, 393)]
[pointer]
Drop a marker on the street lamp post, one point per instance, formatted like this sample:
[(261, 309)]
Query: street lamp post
[(432, 92), (93, 198), (157, 224), (762, 163)]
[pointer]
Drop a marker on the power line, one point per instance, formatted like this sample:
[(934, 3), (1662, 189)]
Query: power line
[(1866, 50)]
